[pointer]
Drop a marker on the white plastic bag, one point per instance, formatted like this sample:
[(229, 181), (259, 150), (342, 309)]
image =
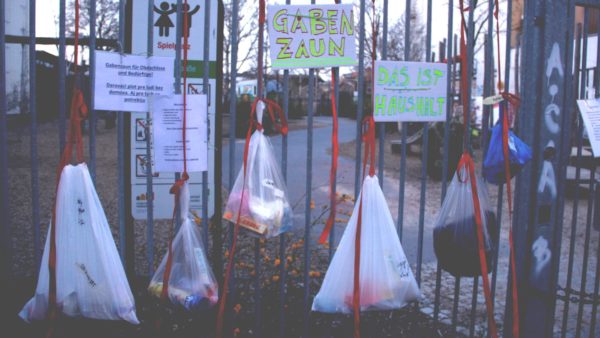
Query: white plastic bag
[(455, 233), (265, 206), (386, 280), (191, 282), (90, 281)]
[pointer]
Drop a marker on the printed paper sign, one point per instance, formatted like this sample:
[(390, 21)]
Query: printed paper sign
[(590, 114), (311, 36), (168, 133), (410, 91), (126, 82)]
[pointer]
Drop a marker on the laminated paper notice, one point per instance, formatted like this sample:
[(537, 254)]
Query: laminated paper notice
[(127, 82), (168, 133), (590, 114)]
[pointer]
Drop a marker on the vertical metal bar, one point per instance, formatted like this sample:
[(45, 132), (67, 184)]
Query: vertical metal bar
[(62, 73), (473, 306), (282, 240), (261, 94), (177, 84), (233, 35), (149, 183), (487, 122), (455, 303), (336, 89), (582, 95), (92, 72), (597, 78), (586, 250), (449, 113), (407, 43), (360, 102), (595, 297), (382, 125), (35, 191), (205, 85), (497, 244), (307, 214), (5, 246), (424, 157), (470, 35), (575, 211), (121, 148), (488, 77)]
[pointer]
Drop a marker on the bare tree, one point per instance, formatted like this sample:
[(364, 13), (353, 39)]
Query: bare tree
[(247, 37), (396, 41), (107, 18)]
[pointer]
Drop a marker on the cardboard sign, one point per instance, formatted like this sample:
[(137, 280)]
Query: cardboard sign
[(311, 36), (126, 82), (590, 114), (410, 91), (168, 133)]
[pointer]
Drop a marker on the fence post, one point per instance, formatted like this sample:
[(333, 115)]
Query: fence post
[(544, 123), (4, 216)]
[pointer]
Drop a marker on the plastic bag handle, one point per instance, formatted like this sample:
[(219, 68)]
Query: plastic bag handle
[(272, 108)]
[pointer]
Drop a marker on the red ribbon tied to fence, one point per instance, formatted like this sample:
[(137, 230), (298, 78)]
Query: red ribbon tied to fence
[(78, 113)]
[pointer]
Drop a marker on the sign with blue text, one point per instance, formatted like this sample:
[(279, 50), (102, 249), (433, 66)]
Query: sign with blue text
[(410, 91)]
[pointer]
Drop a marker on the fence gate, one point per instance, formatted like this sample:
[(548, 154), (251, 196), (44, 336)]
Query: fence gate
[(553, 60)]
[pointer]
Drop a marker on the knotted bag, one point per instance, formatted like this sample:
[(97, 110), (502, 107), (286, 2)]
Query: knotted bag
[(259, 193), (192, 284), (455, 238), (81, 274)]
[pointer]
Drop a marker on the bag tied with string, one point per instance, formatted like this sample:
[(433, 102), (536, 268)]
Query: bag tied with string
[(385, 279), (519, 153), (259, 194), (81, 274), (192, 284), (455, 237)]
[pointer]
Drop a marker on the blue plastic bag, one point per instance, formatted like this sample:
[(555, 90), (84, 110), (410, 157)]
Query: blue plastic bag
[(519, 154)]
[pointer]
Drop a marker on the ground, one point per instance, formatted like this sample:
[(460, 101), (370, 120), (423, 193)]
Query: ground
[(413, 321)]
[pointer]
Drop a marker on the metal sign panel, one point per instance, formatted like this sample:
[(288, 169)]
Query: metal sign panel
[(163, 44)]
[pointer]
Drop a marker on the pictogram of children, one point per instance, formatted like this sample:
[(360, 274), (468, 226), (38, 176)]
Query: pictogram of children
[(164, 23)]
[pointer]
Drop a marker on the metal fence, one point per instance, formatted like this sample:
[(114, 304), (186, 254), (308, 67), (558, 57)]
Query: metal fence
[(564, 217)]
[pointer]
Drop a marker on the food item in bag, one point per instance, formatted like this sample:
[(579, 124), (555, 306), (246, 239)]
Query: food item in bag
[(519, 154), (192, 284), (455, 238), (386, 280), (90, 280), (265, 208), (458, 251)]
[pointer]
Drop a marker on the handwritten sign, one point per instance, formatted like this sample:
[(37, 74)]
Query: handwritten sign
[(409, 91), (311, 36), (126, 82), (168, 136), (590, 114)]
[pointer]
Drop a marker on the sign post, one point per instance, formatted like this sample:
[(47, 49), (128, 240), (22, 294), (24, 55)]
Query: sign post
[(544, 123)]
